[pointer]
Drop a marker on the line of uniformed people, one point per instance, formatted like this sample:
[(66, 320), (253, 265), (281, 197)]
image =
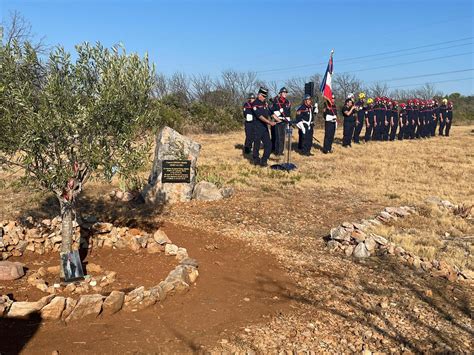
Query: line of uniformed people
[(384, 119)]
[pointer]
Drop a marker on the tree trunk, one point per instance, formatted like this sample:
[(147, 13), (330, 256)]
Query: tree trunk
[(67, 231)]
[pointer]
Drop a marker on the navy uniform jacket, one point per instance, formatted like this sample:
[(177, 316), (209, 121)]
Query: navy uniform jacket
[(247, 110), (380, 115), (437, 111), (281, 105), (449, 113), (370, 113), (395, 116), (404, 117), (362, 111), (305, 114), (260, 109), (443, 111), (348, 117), (416, 114)]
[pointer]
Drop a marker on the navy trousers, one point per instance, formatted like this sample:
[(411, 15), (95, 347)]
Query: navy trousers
[(261, 135), (329, 132), (347, 132)]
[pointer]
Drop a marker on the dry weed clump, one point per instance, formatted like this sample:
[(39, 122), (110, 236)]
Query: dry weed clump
[(435, 233)]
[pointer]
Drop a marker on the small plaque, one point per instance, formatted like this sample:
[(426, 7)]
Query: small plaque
[(71, 266), (176, 171)]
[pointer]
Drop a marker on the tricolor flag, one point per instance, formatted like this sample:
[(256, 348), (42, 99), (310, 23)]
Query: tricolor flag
[(326, 86)]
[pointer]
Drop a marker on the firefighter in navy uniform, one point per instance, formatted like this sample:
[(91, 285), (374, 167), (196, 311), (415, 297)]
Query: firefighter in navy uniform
[(394, 120), (421, 118), (386, 108), (442, 116), (379, 119), (261, 115), (369, 119), (281, 113), (348, 112), (436, 117), (410, 127), (402, 134), (449, 117), (249, 123), (305, 115), (330, 123), (361, 110)]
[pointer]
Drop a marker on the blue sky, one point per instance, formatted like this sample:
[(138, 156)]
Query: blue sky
[(209, 36)]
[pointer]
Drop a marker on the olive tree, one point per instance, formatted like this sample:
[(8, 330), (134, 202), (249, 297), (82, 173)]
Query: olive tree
[(66, 120)]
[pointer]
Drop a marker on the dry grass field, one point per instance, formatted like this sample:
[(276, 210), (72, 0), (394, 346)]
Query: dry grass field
[(337, 304)]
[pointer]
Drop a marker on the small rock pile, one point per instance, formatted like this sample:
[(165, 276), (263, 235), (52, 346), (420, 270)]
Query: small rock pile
[(356, 240), (19, 237), (95, 283)]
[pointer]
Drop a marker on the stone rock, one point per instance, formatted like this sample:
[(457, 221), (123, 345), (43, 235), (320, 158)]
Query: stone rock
[(170, 145), (361, 251), (349, 250), (42, 286), (397, 211), (181, 254), (133, 298), (113, 303), (101, 227), (87, 306), (348, 226), (171, 249), (70, 287), (158, 293), (193, 274), (386, 215), (227, 192), (24, 309), (53, 269), (379, 239), (358, 236), (5, 304), (134, 244), (341, 234), (333, 244), (54, 309), (154, 248), (161, 238), (189, 262), (447, 204), (399, 250), (361, 227), (370, 244), (91, 267), (206, 191), (69, 307), (167, 287), (108, 243), (11, 270)]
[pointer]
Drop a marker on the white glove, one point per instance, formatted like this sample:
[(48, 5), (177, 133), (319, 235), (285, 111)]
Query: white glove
[(316, 109), (301, 126)]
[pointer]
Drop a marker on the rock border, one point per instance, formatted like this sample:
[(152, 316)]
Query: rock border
[(356, 240), (67, 309)]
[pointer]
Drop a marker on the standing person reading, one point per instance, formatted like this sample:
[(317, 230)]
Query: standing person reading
[(348, 111)]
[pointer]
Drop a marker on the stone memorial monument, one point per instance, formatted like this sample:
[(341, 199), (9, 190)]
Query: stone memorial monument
[(173, 174)]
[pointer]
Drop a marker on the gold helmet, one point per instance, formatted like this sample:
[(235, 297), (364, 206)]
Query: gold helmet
[(362, 95), (445, 101), (370, 100)]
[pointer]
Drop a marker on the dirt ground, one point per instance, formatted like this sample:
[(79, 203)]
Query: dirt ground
[(267, 282)]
